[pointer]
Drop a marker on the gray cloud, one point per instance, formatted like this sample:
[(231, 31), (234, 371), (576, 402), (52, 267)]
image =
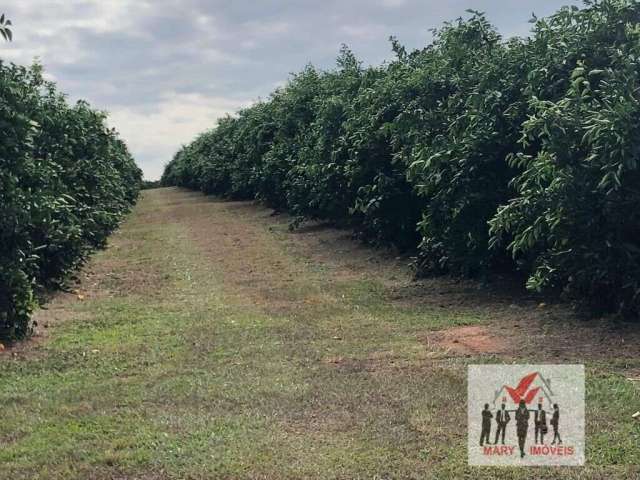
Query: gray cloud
[(167, 70)]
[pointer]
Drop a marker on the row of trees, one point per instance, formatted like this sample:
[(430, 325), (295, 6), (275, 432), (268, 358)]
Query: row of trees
[(483, 154), (66, 180)]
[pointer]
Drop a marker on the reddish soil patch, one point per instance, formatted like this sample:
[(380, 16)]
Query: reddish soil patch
[(468, 340)]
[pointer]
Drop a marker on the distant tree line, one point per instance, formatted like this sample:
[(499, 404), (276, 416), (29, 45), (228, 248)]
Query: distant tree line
[(150, 184)]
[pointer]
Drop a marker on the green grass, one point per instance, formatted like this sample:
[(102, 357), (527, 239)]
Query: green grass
[(185, 378)]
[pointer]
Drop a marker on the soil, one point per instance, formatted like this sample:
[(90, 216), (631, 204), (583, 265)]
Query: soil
[(471, 340), (261, 259)]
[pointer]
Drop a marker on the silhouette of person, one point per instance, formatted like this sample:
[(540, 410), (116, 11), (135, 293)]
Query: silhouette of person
[(502, 418), (522, 425), (555, 423), (486, 425), (540, 422)]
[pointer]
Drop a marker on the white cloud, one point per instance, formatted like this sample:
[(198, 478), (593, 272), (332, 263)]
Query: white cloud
[(52, 30), (266, 29), (393, 3), (167, 69), (174, 121), (363, 31)]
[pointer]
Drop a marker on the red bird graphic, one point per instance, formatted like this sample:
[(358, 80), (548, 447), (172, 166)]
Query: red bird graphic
[(519, 392)]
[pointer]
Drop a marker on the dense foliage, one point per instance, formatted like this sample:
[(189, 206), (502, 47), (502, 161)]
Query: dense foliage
[(66, 179), (483, 154)]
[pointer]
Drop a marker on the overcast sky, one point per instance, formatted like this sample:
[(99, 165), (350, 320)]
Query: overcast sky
[(167, 69)]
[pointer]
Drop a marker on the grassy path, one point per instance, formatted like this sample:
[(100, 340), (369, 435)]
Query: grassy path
[(209, 342)]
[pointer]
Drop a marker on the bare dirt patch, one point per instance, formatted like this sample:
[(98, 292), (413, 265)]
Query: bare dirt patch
[(467, 340)]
